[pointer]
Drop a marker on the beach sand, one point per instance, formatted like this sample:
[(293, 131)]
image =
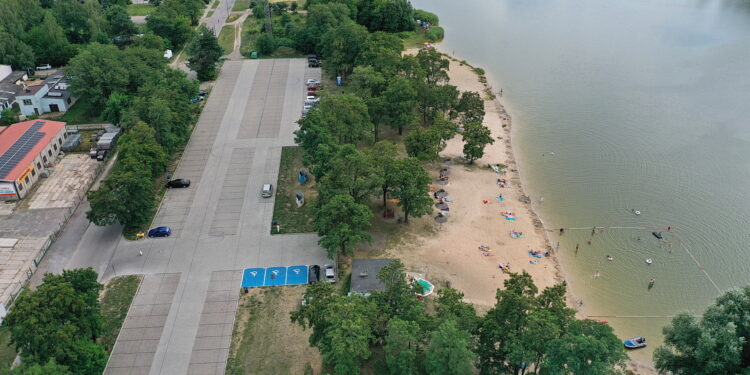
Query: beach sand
[(451, 254)]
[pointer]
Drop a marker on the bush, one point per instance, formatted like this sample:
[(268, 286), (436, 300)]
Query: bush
[(265, 44), (283, 42), (426, 16), (435, 33)]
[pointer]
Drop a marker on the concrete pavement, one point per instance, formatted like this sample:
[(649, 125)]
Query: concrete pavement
[(221, 224)]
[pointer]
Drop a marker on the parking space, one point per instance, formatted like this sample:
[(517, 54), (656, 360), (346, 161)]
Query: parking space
[(232, 197), (274, 276), (68, 183), (214, 334), (268, 97), (139, 337)]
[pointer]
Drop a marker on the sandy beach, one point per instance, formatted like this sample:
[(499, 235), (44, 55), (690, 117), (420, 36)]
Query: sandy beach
[(452, 254)]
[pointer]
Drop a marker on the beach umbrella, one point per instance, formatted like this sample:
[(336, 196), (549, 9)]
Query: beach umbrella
[(441, 219), (441, 206), (441, 193), (445, 172)]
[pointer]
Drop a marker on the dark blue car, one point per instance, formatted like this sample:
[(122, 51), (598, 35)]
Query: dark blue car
[(160, 232)]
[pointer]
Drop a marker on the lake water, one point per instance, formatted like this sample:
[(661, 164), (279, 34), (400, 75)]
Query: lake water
[(644, 104)]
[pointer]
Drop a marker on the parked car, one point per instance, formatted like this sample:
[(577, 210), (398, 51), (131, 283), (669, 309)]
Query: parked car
[(313, 64), (44, 67), (203, 93), (313, 87), (160, 232), (314, 274), (330, 273), (313, 82), (266, 191), (178, 183), (312, 93)]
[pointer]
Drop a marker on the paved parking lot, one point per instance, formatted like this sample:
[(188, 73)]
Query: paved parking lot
[(142, 329), (220, 223)]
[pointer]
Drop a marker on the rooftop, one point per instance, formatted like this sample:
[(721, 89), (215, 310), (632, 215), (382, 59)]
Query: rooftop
[(31, 90), (365, 275), (20, 143)]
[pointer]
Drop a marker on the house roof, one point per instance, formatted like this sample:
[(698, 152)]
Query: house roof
[(20, 143), (31, 90), (365, 275)]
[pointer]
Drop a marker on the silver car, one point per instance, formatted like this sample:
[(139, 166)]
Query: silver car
[(330, 272), (266, 191)]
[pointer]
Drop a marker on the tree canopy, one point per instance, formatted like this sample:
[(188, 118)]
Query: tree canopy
[(204, 53), (714, 344)]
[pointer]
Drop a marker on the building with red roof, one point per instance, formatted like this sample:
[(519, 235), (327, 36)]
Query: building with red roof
[(26, 149)]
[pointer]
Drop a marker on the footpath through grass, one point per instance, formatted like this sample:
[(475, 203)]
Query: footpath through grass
[(290, 218), (81, 113), (140, 9), (116, 298), (241, 5), (265, 341)]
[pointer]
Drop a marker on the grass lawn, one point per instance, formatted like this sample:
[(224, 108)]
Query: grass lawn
[(265, 341), (7, 351), (116, 299), (290, 218), (232, 17), (226, 39), (210, 13), (413, 39), (284, 52), (215, 4), (79, 113), (241, 5), (140, 9), (249, 32)]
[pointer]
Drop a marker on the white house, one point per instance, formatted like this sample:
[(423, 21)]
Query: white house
[(50, 96)]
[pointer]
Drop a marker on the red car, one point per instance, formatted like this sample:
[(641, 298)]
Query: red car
[(312, 93), (313, 87)]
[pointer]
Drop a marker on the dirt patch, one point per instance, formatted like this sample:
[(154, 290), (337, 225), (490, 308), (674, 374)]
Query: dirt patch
[(265, 341)]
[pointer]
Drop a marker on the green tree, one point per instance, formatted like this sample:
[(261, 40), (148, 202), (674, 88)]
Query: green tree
[(426, 16), (398, 104), (449, 353), (265, 43), (96, 72), (352, 172), (341, 326), (49, 42), (450, 306), (83, 21), (434, 67), (60, 320), (204, 53), (410, 186), (383, 155), (49, 368), (470, 107), (151, 41), (341, 46), (8, 116), (398, 299), (342, 224), (715, 344), (125, 198), (381, 51), (386, 15), (121, 27), (14, 52), (320, 19), (116, 106), (432, 101), (173, 28), (588, 348), (319, 145), (345, 117), (424, 144), (476, 137), (140, 150), (401, 347)]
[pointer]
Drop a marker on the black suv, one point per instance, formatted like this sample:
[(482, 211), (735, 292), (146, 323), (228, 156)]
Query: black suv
[(178, 183)]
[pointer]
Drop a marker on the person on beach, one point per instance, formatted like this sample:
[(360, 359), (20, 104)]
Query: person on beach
[(562, 230), (669, 229), (596, 274), (593, 231), (577, 248), (589, 242)]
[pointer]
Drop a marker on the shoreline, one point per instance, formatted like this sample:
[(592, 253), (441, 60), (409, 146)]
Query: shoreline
[(507, 129), (514, 171)]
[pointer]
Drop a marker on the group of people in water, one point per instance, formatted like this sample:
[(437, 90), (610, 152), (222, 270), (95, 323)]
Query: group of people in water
[(610, 258)]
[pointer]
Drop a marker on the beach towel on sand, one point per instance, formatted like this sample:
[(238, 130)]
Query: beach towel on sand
[(500, 198), (510, 218)]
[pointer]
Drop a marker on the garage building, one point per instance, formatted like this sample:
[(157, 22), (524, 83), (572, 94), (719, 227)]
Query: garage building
[(26, 148)]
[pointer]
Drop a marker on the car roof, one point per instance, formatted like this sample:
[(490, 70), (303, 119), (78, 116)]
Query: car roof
[(162, 228), (266, 186)]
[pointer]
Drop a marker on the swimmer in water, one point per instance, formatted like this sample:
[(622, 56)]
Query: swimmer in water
[(609, 258), (596, 274), (589, 241)]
